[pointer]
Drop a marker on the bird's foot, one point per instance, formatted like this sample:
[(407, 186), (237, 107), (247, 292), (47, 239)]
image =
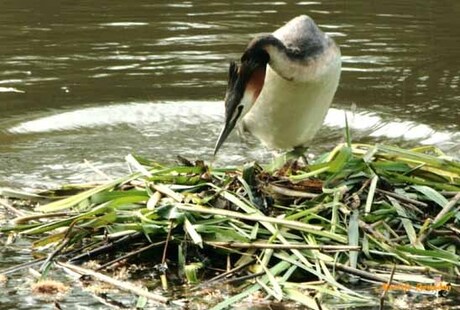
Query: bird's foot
[(287, 160)]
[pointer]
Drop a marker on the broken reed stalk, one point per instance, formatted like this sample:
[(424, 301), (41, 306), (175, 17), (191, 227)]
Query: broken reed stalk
[(250, 217), (4, 203), (125, 286), (440, 215), (130, 254), (386, 288), (263, 245)]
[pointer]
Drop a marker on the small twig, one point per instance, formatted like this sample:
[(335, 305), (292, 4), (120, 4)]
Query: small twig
[(34, 273), (106, 248), (39, 261), (244, 278), (409, 271), (60, 247), (4, 203), (403, 198), (412, 207), (21, 266), (39, 216), (168, 237), (447, 207), (120, 284), (263, 245), (356, 272), (318, 304), (369, 229), (222, 275), (363, 186), (164, 266), (454, 229), (168, 192), (109, 301), (128, 255), (443, 212), (387, 287), (388, 228), (448, 193), (406, 204), (97, 170), (138, 167), (99, 296), (290, 192), (378, 266), (251, 217)]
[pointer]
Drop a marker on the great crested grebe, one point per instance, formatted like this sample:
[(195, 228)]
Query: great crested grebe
[(283, 87)]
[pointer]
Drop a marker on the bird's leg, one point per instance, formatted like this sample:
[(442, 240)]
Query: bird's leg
[(299, 152)]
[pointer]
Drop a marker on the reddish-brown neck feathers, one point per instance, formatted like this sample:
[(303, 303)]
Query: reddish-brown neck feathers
[(256, 82)]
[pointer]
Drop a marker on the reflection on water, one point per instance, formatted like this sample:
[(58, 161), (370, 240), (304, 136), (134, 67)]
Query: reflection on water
[(85, 81)]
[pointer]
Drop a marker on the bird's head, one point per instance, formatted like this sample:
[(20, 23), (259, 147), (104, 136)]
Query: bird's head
[(245, 82)]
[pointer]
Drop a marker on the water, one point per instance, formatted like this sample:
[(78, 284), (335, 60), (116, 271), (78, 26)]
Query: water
[(98, 80)]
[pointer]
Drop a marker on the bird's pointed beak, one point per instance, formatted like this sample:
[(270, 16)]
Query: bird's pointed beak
[(233, 107), (244, 84), (223, 136), (231, 119)]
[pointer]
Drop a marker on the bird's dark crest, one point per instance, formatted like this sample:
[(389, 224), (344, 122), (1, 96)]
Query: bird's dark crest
[(255, 51), (232, 74)]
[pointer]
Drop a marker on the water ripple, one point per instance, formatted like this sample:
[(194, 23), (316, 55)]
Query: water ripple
[(170, 116)]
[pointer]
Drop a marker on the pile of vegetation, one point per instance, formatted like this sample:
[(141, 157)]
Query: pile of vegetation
[(290, 231)]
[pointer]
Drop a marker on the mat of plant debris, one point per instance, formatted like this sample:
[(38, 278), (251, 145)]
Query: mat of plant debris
[(289, 231)]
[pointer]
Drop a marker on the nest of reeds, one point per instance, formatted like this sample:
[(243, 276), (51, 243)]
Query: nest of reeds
[(307, 233)]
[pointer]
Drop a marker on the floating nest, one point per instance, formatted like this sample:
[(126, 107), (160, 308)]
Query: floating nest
[(290, 231)]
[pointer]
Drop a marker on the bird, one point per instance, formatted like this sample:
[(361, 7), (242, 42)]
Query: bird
[(283, 86)]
